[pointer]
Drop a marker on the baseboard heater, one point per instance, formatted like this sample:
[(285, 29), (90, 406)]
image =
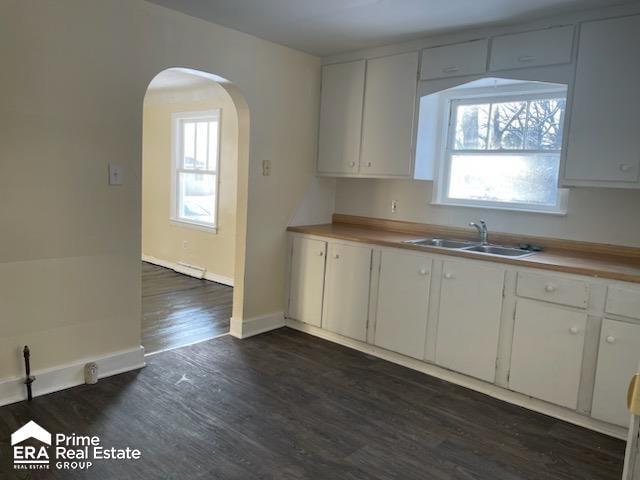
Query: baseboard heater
[(191, 270)]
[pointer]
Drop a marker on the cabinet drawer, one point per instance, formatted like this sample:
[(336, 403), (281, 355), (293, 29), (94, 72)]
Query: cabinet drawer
[(623, 301), (549, 288), (531, 49), (453, 60)]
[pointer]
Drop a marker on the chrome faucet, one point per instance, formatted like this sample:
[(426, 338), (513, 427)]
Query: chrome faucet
[(482, 230)]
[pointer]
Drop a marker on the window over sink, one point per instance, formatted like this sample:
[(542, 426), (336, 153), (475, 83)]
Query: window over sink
[(498, 145)]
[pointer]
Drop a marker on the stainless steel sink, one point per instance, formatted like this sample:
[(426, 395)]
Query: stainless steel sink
[(498, 250), (439, 242)]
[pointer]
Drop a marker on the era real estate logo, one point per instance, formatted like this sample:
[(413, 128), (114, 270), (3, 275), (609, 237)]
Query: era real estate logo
[(30, 456), (63, 452)]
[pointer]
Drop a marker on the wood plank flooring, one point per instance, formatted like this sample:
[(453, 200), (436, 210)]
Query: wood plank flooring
[(178, 310), (285, 405)]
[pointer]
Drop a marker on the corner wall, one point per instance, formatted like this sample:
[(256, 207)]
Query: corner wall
[(76, 73)]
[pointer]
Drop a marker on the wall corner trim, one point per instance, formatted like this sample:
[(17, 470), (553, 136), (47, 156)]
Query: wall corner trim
[(256, 325), (54, 379)]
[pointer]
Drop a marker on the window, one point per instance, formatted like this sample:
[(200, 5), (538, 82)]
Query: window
[(195, 176), (502, 148)]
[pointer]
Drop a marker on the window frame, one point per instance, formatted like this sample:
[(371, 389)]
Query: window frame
[(504, 93), (177, 140)]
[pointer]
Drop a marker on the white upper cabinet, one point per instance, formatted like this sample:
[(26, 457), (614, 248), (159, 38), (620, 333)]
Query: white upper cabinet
[(604, 144), (307, 280), (531, 49), (469, 319), (341, 118), (347, 282), (389, 106), (454, 60), (403, 302), (546, 358)]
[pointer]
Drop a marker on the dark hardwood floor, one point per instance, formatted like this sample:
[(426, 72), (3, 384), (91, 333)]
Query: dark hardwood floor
[(178, 310), (285, 405)]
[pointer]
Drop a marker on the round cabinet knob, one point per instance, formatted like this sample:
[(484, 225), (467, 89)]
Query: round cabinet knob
[(611, 339), (549, 288), (574, 330), (448, 276), (336, 255), (422, 271), (625, 167), (322, 254), (352, 164)]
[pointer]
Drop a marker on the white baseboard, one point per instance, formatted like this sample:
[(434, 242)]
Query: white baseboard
[(257, 325), (66, 376), (468, 382), (189, 270)]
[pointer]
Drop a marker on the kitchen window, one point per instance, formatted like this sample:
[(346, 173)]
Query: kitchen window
[(196, 138), (502, 148)]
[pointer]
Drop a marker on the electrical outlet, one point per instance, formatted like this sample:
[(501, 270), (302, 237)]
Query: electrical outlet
[(266, 168), (394, 206)]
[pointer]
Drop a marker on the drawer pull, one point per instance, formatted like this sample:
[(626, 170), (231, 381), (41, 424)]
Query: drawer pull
[(448, 276), (549, 288), (352, 164), (574, 330), (336, 256), (625, 167), (450, 69), (322, 254), (611, 339), (422, 271), (526, 58)]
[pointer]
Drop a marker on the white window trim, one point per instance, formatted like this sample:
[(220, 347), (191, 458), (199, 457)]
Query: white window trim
[(470, 96), (176, 143)]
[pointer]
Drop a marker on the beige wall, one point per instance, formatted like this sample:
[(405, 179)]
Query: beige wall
[(74, 75), (161, 238), (594, 215)]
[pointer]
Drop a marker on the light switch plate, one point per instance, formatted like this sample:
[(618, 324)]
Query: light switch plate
[(115, 174)]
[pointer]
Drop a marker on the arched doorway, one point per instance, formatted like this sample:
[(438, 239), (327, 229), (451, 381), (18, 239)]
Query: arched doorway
[(194, 187)]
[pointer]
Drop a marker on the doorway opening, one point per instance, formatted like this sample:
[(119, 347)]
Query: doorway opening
[(190, 170)]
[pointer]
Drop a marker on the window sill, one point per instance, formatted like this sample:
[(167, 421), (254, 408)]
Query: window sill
[(558, 213), (179, 222)]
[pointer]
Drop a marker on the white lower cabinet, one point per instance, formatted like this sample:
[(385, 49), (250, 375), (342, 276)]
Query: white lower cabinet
[(469, 318), (451, 311), (403, 302), (347, 284), (618, 358), (306, 281), (546, 357)]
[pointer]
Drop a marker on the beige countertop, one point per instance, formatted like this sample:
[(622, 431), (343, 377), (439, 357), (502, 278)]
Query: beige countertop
[(596, 260)]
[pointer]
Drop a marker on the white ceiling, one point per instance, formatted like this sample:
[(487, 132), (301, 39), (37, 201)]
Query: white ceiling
[(324, 27)]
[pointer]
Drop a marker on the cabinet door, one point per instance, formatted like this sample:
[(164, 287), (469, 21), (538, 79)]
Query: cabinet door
[(341, 118), (454, 60), (618, 359), (389, 106), (469, 318), (531, 49), (403, 303), (604, 145), (346, 302), (546, 356), (307, 280)]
